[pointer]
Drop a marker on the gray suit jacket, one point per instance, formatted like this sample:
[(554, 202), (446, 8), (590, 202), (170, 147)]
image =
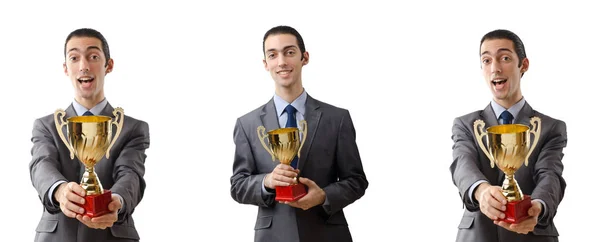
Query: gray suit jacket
[(123, 174), (542, 178), (329, 157)]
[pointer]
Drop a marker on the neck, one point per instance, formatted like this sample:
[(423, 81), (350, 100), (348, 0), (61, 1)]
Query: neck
[(507, 103), (89, 103), (289, 94)]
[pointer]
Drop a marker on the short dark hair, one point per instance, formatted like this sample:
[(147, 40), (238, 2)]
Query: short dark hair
[(282, 29), (92, 33), (506, 34)]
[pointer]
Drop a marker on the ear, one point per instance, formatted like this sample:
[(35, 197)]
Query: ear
[(109, 66), (265, 64), (65, 69), (305, 59), (525, 65)]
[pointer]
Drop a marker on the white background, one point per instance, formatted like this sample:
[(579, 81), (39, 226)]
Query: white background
[(404, 71)]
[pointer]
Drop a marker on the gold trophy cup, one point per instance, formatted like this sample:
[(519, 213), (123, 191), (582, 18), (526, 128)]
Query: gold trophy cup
[(284, 145), (89, 138), (508, 146)]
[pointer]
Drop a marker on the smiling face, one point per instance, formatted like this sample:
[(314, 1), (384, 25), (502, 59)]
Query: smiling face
[(284, 60), (501, 70), (86, 66)]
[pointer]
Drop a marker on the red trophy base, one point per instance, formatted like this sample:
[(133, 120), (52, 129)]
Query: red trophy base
[(289, 193), (97, 205), (517, 211)]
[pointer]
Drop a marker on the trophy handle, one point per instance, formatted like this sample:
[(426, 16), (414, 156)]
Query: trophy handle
[(536, 124), (118, 113), (261, 136), (303, 131), (479, 134), (60, 122)]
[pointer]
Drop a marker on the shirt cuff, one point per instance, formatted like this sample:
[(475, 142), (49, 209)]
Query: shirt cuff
[(544, 210), (122, 204), (472, 190), (51, 191), (265, 192)]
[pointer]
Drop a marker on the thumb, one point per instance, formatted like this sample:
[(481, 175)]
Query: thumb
[(535, 209), (114, 205), (305, 181)]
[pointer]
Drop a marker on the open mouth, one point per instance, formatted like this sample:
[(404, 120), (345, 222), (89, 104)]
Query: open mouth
[(85, 79), (284, 72), (498, 81)]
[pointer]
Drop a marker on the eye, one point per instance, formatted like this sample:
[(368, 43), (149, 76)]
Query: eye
[(485, 61), (506, 58), (72, 58), (290, 52), (95, 57), (271, 55)]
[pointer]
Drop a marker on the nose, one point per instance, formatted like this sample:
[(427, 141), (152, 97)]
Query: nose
[(281, 61), (496, 67), (84, 65)]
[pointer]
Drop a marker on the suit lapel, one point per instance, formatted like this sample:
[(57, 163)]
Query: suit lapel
[(489, 117), (269, 116), (107, 111), (312, 117), (525, 115)]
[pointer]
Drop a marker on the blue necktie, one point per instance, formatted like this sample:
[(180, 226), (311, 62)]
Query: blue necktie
[(291, 122), (506, 117), (88, 113)]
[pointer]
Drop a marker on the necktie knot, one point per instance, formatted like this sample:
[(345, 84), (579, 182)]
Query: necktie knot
[(506, 117), (291, 112), (88, 113)]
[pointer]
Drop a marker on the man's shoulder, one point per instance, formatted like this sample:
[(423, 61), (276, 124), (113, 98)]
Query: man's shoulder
[(472, 116), (254, 114), (329, 109), (548, 120)]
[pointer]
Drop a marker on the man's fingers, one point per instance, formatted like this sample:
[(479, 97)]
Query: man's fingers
[(76, 188), (497, 195), (72, 197), (284, 179), (286, 173)]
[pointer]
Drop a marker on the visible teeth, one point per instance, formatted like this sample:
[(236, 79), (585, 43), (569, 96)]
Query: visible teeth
[(498, 80)]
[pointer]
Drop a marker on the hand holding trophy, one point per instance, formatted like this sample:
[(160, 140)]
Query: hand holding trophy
[(89, 138), (508, 146), (285, 145)]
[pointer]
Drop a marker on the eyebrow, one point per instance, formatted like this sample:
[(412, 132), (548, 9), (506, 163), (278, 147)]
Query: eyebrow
[(499, 50), (287, 47), (88, 48)]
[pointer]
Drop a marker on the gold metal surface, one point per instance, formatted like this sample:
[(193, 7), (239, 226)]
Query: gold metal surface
[(284, 143), (89, 138), (508, 146)]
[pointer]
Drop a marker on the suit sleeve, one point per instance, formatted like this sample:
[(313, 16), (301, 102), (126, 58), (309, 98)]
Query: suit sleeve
[(465, 166), (129, 169), (44, 168), (246, 183), (352, 179), (550, 185)]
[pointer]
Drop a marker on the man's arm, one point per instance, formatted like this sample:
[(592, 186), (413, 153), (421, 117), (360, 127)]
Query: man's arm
[(44, 168), (465, 169), (246, 184), (129, 169), (550, 185), (352, 179)]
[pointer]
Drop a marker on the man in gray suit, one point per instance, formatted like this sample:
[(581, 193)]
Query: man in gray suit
[(55, 175), (503, 63), (329, 163)]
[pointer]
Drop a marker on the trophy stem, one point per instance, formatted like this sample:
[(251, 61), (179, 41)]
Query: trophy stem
[(511, 189), (90, 182)]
